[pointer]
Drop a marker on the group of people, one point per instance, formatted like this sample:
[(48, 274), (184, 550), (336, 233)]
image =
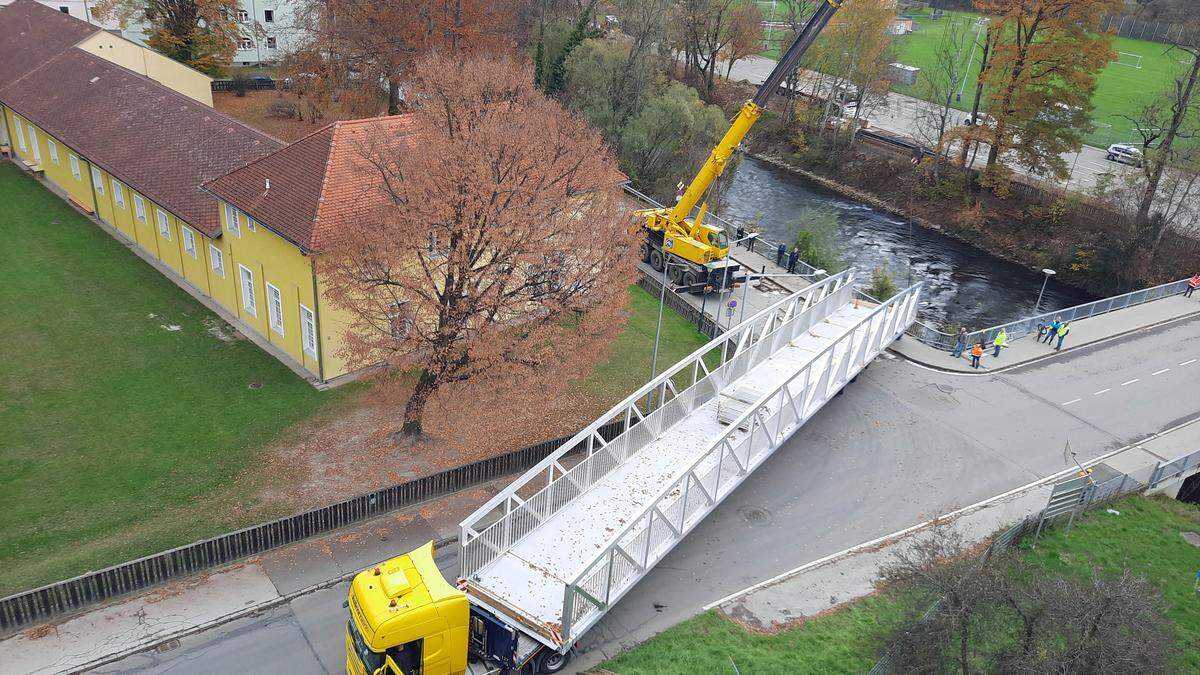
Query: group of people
[(1057, 328), (999, 342), (782, 255)]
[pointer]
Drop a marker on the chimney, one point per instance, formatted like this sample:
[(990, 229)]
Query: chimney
[(268, 185)]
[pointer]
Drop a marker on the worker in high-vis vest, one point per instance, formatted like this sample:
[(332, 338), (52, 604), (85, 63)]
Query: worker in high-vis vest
[(1192, 285), (1062, 334), (1000, 342)]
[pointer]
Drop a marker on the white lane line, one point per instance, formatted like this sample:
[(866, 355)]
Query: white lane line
[(1076, 400), (1188, 362), (1159, 372), (1101, 392), (1126, 384)]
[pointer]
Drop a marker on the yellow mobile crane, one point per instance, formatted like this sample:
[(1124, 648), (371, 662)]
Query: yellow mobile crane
[(405, 618), (696, 251)]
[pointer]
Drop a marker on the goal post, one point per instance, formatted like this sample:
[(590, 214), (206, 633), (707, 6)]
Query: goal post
[(1129, 59)]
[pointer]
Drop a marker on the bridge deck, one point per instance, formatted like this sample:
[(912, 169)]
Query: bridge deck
[(530, 578)]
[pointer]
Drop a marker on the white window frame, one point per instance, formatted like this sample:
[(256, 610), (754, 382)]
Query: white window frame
[(231, 221), (75, 172), (164, 224), (245, 43), (118, 193), (216, 260), (308, 331), (275, 308), (272, 43), (37, 149), (139, 207), (189, 240), (20, 134), (243, 16), (246, 278), (268, 16), (53, 148), (97, 181)]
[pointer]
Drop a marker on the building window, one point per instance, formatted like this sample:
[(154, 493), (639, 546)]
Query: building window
[(164, 225), (189, 240), (119, 194), (37, 151), (74, 166), (308, 331), (248, 302), (218, 260), (53, 148), (20, 135), (243, 16), (98, 181), (269, 15), (231, 221), (64, 9), (271, 42), (246, 43), (275, 309), (249, 222), (139, 207)]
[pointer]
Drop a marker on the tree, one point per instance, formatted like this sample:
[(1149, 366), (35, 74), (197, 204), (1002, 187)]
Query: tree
[(941, 81), (1166, 125), (557, 76), (882, 286), (851, 56), (816, 238), (204, 34), (1040, 76), (703, 28), (503, 252), (745, 35)]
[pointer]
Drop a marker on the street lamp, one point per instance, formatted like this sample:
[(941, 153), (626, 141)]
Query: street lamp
[(662, 299), (1049, 273)]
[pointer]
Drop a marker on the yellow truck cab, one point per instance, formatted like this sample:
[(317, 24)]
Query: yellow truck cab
[(406, 619)]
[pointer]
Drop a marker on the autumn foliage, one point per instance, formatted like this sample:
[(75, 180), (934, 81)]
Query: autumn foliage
[(503, 251)]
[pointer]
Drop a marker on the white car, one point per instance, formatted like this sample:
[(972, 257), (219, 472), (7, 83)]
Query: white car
[(1123, 153)]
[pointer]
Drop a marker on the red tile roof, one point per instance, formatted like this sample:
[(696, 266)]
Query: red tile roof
[(319, 183), (159, 142), (32, 34)]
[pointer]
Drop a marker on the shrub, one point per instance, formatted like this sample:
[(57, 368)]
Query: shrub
[(882, 287), (281, 108), (241, 83)]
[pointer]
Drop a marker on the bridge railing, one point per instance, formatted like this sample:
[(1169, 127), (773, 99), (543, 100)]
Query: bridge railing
[(514, 513), (728, 459), (1022, 327)]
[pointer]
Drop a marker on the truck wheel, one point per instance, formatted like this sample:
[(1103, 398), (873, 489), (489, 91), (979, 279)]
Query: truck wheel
[(676, 274), (689, 278), (656, 260), (553, 662), (646, 248)]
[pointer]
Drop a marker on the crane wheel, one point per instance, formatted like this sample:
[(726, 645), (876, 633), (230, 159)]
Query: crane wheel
[(675, 274), (689, 278), (656, 260), (646, 249)]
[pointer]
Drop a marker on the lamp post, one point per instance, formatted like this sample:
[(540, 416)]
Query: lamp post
[(662, 300), (1049, 273)]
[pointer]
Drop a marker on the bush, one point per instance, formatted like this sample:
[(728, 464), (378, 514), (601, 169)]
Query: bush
[(281, 108), (882, 287), (241, 83), (816, 238)]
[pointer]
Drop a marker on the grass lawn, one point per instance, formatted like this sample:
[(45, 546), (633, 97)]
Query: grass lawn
[(1145, 537), (122, 438)]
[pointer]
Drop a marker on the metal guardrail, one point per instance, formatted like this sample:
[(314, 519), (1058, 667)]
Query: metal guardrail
[(768, 423), (486, 535), (1167, 471), (89, 589), (1022, 327)]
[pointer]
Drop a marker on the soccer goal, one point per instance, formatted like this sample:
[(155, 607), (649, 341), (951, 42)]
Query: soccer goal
[(1129, 59)]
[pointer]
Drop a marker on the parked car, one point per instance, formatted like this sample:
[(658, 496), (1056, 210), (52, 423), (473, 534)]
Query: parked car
[(1124, 153), (980, 120)]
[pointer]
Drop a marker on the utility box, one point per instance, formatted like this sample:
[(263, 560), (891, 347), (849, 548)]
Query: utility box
[(899, 73)]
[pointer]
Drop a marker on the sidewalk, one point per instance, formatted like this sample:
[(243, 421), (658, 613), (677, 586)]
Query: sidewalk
[(1084, 332), (189, 606)]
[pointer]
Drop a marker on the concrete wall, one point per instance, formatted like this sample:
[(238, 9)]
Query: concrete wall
[(187, 81)]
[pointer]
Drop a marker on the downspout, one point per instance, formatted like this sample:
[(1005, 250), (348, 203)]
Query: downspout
[(316, 322)]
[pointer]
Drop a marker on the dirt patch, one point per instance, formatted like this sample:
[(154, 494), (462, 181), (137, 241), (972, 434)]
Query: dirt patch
[(254, 107), (222, 330)]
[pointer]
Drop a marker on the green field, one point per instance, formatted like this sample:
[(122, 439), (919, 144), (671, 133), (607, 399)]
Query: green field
[(129, 426), (1145, 537), (1120, 89)]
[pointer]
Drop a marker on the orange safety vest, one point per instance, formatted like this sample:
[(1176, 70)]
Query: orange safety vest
[(977, 350), (1194, 282)]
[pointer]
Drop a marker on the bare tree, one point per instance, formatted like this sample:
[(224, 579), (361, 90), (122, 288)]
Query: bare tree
[(746, 34), (940, 83), (502, 253)]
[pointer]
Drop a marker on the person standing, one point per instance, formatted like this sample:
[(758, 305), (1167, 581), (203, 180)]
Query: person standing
[(1041, 330), (1062, 334), (1192, 285), (792, 258), (976, 353), (1052, 330), (960, 343), (1000, 342), (780, 253), (741, 234)]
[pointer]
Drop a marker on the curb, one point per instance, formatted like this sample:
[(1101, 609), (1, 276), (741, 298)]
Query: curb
[(1038, 359), (241, 612)]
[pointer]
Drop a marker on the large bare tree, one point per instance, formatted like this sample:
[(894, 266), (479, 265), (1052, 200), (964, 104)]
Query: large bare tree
[(503, 252), (201, 33)]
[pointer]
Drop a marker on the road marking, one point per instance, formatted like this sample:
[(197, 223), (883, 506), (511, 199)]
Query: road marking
[(1126, 384), (1160, 372), (1101, 392), (1188, 362), (1077, 400)]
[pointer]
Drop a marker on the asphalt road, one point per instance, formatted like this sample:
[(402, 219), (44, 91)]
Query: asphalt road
[(903, 444)]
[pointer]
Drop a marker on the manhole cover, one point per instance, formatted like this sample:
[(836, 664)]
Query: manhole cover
[(167, 646), (256, 385), (755, 515), (1191, 538)]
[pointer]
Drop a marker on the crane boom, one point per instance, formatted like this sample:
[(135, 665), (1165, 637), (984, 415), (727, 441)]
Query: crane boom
[(751, 110)]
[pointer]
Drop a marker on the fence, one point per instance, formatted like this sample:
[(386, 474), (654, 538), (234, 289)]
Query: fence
[(94, 587), (1021, 327), (701, 320), (1067, 499), (251, 85), (1154, 31)]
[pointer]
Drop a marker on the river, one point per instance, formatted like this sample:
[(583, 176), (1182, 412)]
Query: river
[(963, 285)]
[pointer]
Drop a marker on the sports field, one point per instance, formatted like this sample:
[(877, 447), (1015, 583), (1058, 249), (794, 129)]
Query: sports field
[(1142, 70)]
